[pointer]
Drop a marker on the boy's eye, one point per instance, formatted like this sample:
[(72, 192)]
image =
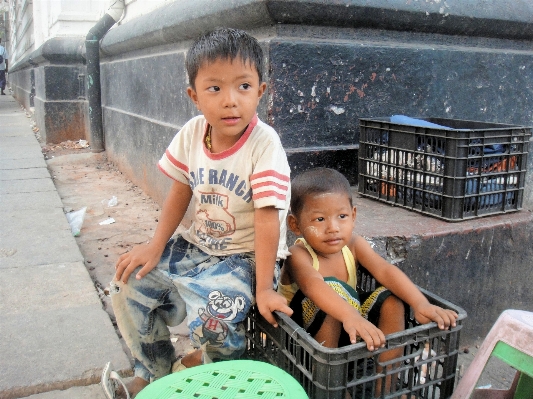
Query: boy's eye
[(320, 219), (245, 86), (343, 216), (213, 88)]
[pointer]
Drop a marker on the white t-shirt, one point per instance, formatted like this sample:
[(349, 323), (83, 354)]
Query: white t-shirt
[(227, 186)]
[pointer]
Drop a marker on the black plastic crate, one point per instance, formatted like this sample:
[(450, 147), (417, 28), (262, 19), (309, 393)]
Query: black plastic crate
[(332, 373), (466, 170)]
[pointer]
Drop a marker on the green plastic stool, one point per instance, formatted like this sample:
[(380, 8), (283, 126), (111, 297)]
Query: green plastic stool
[(232, 379), (510, 340), (521, 362)]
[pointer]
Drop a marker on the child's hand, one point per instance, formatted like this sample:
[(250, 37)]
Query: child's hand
[(443, 317), (141, 255), (268, 301), (372, 335)]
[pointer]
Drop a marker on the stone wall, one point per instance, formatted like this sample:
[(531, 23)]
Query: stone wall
[(329, 63), (51, 82), (328, 66)]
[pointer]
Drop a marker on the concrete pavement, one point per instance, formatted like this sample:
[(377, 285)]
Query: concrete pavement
[(55, 335)]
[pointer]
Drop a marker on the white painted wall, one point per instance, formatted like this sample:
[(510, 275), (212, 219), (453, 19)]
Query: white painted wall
[(20, 34), (136, 8), (33, 22), (72, 17), (4, 8)]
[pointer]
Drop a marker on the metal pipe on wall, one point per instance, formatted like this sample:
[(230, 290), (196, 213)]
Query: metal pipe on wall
[(94, 91)]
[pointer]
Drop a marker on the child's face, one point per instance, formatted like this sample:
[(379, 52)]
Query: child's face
[(326, 222), (227, 92)]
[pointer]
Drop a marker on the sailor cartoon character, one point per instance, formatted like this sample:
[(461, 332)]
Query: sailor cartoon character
[(219, 310)]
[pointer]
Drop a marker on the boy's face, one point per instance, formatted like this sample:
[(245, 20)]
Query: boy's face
[(326, 222), (227, 92)]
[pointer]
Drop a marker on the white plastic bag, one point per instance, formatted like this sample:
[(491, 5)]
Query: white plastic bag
[(107, 221), (75, 219), (111, 203)]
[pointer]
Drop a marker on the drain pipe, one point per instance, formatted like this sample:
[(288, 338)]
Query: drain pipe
[(92, 55)]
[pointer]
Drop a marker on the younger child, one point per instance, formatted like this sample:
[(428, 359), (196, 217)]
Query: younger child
[(319, 278), (234, 169)]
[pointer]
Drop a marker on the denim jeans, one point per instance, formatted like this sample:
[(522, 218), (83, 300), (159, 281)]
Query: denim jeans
[(213, 293)]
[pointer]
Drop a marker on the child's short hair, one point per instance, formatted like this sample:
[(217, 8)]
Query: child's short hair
[(317, 181), (224, 43)]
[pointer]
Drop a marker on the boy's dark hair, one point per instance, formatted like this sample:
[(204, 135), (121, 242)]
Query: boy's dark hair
[(224, 43), (317, 181)]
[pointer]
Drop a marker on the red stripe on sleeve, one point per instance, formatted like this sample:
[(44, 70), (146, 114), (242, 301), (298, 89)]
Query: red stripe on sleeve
[(176, 163), (264, 194), (164, 172), (270, 183), (268, 173)]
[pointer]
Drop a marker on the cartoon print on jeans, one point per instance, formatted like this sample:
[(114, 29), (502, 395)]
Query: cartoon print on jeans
[(220, 308)]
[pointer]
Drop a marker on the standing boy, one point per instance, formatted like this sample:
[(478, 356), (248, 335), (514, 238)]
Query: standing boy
[(235, 170)]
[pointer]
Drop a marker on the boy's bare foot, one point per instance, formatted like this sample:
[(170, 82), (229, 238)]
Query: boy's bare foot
[(192, 359), (134, 387)]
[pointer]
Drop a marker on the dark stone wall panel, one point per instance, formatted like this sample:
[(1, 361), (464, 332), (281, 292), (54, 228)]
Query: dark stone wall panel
[(528, 192), (20, 82), (466, 17), (62, 120), (21, 78), (40, 120), (40, 83), (152, 87), (343, 160), (320, 89), (60, 82), (59, 112), (135, 145), (482, 271)]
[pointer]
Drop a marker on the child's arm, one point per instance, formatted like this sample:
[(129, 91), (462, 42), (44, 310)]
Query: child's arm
[(148, 255), (266, 224), (310, 281), (399, 284)]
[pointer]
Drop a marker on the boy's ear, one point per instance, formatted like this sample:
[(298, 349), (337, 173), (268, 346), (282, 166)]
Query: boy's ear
[(262, 88), (292, 222), (193, 96)]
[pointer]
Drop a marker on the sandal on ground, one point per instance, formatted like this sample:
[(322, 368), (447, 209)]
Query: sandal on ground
[(110, 382)]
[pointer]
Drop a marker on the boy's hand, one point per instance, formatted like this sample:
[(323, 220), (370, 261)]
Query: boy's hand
[(372, 335), (141, 255), (443, 317), (268, 301)]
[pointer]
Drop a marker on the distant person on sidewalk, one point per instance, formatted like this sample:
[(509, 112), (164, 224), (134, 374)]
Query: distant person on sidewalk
[(3, 67), (235, 170)]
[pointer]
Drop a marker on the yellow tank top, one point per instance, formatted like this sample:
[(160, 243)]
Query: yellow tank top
[(288, 290)]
